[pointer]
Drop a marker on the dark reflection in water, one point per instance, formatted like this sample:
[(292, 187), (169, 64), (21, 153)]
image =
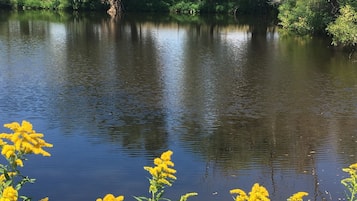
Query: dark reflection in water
[(236, 103)]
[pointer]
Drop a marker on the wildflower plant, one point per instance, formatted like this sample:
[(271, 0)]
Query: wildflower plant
[(162, 175), (111, 197), (350, 182), (258, 193), (298, 196), (15, 147)]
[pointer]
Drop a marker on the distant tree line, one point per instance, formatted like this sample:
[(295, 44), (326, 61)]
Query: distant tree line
[(336, 18), (184, 6)]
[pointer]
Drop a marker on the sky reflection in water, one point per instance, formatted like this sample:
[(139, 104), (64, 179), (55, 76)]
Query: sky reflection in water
[(235, 107)]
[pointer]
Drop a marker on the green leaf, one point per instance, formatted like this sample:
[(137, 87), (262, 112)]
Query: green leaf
[(7, 183), (167, 199), (25, 198), (159, 195), (141, 198)]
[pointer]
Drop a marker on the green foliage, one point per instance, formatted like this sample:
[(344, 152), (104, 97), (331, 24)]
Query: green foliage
[(56, 4), (209, 6), (45, 4), (352, 3), (62, 4), (178, 6), (186, 7), (147, 5), (292, 19), (84, 4), (5, 3), (254, 7), (305, 16), (344, 28)]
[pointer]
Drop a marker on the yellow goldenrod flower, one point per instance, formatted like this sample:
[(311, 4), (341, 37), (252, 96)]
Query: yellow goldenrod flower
[(241, 195), (13, 126), (2, 143), (162, 173), (353, 166), (258, 193), (157, 161), (10, 174), (164, 181), (24, 140), (352, 169), (9, 194), (8, 151), (166, 156), (187, 195), (19, 162), (111, 197), (298, 196)]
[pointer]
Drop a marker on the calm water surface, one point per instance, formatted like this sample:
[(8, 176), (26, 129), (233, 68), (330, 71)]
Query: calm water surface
[(236, 102)]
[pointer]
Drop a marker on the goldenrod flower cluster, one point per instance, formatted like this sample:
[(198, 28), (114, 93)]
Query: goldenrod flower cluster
[(187, 195), (9, 194), (351, 182), (14, 146), (24, 140), (163, 173), (258, 193), (352, 170), (9, 174), (298, 196), (111, 197)]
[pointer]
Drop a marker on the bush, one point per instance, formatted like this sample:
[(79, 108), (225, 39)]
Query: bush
[(304, 17), (186, 7), (344, 28)]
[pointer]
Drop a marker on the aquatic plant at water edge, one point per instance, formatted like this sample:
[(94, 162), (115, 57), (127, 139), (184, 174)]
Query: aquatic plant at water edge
[(15, 147)]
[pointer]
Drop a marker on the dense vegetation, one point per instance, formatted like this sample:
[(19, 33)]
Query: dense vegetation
[(219, 6), (336, 18)]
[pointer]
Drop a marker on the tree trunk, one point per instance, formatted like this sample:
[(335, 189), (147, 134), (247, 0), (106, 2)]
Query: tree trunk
[(115, 7)]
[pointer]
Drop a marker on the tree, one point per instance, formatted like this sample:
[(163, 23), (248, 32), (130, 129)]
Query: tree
[(344, 28), (115, 7), (305, 16)]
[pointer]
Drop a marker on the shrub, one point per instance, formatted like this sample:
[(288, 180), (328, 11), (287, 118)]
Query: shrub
[(304, 17), (344, 28)]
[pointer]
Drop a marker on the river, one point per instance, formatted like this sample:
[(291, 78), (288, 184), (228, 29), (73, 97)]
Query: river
[(237, 103)]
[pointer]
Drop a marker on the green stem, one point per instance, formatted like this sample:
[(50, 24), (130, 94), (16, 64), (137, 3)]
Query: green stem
[(152, 196), (353, 188)]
